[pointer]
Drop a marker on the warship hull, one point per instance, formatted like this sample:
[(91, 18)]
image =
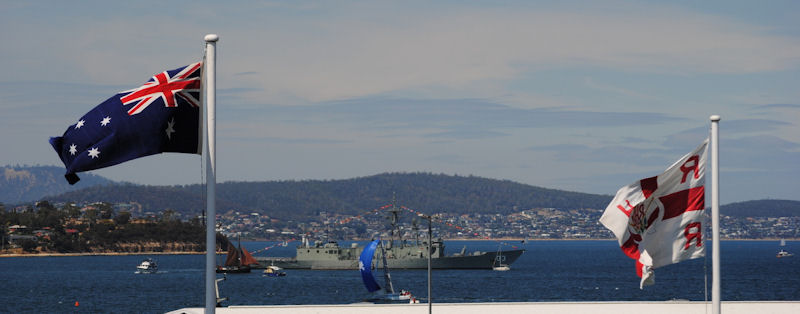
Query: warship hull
[(332, 257)]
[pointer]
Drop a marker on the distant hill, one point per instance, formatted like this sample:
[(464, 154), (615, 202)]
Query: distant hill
[(425, 192), (296, 199), (19, 184), (762, 208)]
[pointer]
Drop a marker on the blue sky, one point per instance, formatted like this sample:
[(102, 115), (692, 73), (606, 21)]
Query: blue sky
[(578, 95)]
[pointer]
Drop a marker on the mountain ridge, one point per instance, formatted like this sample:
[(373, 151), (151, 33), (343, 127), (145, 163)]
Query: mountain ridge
[(20, 184), (297, 199)]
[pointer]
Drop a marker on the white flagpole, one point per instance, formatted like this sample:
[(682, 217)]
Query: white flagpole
[(715, 280), (211, 177)]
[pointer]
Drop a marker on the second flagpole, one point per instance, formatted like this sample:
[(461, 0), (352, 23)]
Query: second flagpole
[(715, 280)]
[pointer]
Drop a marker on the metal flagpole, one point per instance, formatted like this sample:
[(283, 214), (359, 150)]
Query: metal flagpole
[(211, 179), (715, 280), (430, 249)]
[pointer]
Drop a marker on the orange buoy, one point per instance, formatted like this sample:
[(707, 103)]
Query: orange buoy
[(76, 303)]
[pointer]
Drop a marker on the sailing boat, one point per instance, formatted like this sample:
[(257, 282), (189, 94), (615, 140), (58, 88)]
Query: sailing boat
[(365, 267), (238, 260), (782, 252), (498, 264)]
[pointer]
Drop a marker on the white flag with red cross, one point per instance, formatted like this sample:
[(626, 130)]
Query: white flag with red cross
[(659, 220)]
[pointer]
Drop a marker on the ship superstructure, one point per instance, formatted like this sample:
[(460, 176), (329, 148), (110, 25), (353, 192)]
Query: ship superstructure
[(400, 254)]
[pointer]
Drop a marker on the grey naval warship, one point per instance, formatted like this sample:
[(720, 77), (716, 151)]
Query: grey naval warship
[(400, 254)]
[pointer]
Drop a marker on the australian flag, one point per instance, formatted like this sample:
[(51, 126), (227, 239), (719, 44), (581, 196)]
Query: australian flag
[(163, 115)]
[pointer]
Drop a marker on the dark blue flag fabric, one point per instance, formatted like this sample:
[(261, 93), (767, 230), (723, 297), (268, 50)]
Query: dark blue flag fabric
[(163, 115)]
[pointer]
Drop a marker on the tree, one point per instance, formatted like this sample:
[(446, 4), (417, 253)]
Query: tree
[(91, 215), (28, 245), (122, 218), (167, 215), (47, 215), (72, 210), (106, 210), (45, 206)]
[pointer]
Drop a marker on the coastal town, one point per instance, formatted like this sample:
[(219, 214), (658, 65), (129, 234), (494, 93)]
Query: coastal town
[(531, 224)]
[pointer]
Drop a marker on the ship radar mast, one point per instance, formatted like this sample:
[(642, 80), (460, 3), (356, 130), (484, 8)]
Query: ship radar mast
[(394, 218)]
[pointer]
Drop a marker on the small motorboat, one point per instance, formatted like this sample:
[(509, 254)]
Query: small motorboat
[(147, 266), (273, 271), (783, 253)]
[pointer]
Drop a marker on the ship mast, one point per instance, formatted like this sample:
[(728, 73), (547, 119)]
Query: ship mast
[(394, 219), (415, 227)]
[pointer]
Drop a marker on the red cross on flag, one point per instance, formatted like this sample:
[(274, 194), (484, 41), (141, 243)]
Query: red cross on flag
[(659, 220)]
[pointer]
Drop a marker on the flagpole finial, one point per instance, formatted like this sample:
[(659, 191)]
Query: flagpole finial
[(211, 38), (715, 118)]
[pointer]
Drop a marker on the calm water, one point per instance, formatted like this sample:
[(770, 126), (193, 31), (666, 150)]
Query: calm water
[(548, 271)]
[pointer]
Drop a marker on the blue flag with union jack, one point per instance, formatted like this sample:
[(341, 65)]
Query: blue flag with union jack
[(163, 115)]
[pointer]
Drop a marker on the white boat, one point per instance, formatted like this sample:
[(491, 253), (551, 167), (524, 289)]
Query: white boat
[(274, 271), (782, 252), (147, 266), (501, 268), (498, 264)]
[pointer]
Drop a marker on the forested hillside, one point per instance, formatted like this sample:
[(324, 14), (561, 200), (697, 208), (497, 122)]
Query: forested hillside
[(425, 192), (762, 208), (295, 199)]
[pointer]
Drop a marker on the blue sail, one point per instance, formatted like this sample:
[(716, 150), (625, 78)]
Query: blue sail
[(365, 266)]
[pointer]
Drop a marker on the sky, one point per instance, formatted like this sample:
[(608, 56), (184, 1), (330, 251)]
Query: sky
[(583, 96)]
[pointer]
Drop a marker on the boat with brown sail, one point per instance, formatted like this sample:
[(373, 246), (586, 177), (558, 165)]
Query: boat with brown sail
[(238, 260)]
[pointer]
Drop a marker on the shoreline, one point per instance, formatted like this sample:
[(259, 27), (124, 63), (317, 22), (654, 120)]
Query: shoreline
[(607, 239), (533, 239), (51, 254), (48, 254)]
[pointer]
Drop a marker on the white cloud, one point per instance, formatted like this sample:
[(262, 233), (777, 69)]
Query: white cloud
[(329, 58), (323, 53)]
